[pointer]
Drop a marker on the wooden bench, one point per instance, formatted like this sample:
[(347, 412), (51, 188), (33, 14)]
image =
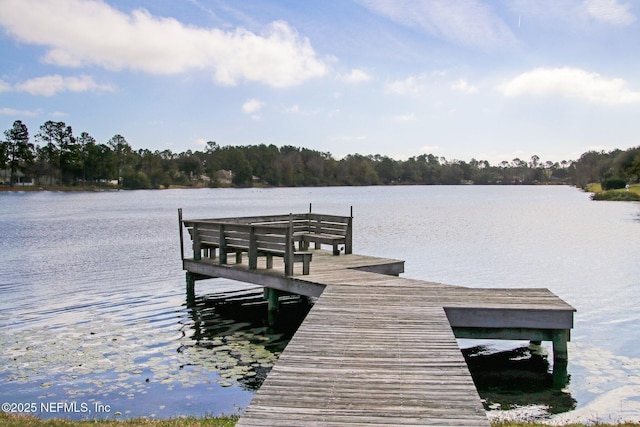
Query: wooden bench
[(319, 229), (326, 230), (209, 236)]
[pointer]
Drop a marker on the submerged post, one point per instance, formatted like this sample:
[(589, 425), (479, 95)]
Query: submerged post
[(191, 286), (273, 304)]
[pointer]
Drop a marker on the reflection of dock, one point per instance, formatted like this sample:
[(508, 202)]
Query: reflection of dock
[(377, 348)]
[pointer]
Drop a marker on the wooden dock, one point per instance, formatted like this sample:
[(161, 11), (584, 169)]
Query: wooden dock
[(377, 349)]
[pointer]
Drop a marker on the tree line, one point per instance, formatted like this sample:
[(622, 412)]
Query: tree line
[(58, 157)]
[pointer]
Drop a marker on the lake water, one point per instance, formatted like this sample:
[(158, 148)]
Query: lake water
[(93, 308)]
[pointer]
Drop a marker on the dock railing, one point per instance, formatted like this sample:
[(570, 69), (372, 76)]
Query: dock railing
[(268, 236)]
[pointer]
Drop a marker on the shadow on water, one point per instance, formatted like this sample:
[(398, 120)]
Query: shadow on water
[(233, 328), (518, 379)]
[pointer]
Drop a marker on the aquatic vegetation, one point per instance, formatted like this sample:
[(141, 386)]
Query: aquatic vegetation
[(617, 196), (120, 361)]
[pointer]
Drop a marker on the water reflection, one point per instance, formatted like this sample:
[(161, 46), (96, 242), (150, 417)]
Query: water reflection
[(519, 379), (233, 328)]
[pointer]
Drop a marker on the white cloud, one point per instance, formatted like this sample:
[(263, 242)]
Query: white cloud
[(610, 12), (572, 15), (463, 86), (465, 22), (90, 32), (571, 83), (405, 117), (21, 113), (412, 85), (252, 107), (53, 84), (357, 76), (4, 86)]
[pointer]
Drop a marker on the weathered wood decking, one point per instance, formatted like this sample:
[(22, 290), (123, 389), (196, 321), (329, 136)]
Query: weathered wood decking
[(377, 349)]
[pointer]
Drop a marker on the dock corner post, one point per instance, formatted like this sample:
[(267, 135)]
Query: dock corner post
[(348, 244), (288, 250), (181, 236), (191, 286), (560, 358), (560, 351)]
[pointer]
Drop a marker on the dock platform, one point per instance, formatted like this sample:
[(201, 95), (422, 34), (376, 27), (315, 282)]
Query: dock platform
[(378, 349)]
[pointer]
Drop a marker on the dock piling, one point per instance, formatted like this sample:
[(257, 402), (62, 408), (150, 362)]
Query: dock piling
[(273, 304), (191, 288), (181, 236)]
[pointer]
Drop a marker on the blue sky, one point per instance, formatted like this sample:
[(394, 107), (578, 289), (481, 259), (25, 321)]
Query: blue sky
[(490, 80)]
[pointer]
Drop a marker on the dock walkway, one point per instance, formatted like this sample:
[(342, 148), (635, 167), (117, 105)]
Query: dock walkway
[(377, 349)]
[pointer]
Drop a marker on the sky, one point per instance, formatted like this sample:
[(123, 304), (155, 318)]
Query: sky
[(463, 79)]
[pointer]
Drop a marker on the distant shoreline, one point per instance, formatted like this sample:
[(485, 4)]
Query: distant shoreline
[(95, 188)]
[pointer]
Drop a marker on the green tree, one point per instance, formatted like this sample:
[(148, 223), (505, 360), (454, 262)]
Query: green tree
[(3, 154), (242, 172), (121, 151), (387, 169), (190, 165), (19, 152), (59, 149), (88, 156)]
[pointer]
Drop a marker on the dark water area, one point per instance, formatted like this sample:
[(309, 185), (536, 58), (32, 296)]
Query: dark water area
[(93, 308), (519, 378)]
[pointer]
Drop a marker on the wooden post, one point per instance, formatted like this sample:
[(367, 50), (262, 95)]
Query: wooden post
[(181, 237), (560, 375), (197, 248), (309, 207), (560, 358), (560, 352), (348, 239), (273, 304), (223, 246), (288, 249), (253, 249)]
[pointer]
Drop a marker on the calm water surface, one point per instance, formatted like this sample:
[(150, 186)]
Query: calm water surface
[(93, 308)]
